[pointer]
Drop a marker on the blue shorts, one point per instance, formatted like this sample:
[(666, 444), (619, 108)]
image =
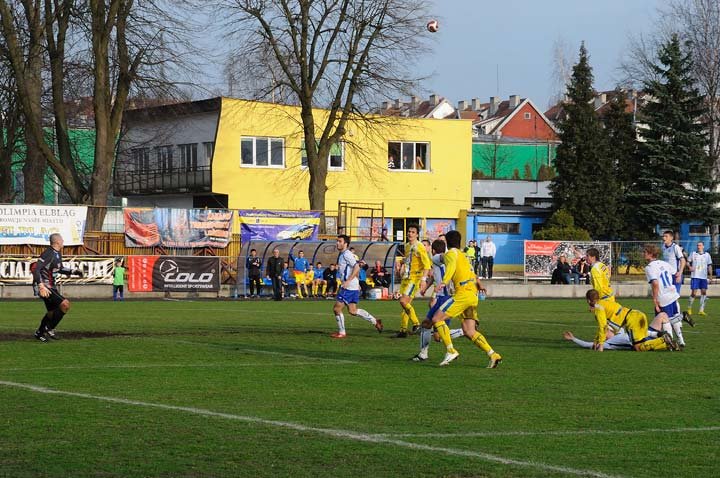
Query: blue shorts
[(671, 309), (696, 284), (348, 296), (439, 300)]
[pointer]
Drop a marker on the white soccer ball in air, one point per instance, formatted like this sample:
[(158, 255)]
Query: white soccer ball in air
[(433, 26)]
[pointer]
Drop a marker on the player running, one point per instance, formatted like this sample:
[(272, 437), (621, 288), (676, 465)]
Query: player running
[(45, 271), (700, 269), (415, 269), (349, 293), (463, 301)]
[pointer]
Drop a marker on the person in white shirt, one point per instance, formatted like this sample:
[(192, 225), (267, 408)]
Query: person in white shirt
[(665, 295), (673, 255), (487, 257), (349, 293), (700, 270)]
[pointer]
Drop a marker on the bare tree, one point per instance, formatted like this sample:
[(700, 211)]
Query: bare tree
[(10, 126), (495, 159), (561, 65), (344, 55)]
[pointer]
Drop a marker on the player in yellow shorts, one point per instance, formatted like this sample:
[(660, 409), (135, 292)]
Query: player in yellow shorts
[(633, 321), (415, 269), (464, 302)]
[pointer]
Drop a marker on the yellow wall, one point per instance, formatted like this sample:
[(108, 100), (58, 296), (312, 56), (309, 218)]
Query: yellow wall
[(439, 193)]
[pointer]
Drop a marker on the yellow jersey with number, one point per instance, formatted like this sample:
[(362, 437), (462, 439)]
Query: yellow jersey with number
[(459, 271)]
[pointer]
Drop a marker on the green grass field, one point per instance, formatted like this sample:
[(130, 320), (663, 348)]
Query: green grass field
[(220, 388)]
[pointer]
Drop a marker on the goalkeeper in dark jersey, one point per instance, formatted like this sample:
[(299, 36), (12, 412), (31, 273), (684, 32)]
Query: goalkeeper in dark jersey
[(45, 271)]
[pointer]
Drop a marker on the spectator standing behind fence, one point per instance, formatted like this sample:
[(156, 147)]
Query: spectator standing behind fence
[(118, 280), (253, 264), (330, 276), (487, 257), (273, 271), (470, 253)]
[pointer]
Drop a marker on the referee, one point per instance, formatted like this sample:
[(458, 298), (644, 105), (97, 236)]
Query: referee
[(44, 271)]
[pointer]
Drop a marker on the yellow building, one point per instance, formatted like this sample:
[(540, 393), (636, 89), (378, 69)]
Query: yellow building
[(245, 154)]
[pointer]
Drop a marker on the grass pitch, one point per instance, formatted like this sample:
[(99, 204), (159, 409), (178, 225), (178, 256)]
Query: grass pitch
[(220, 388)]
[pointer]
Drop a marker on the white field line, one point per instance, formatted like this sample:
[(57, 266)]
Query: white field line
[(554, 432), (159, 365), (251, 351), (335, 433)]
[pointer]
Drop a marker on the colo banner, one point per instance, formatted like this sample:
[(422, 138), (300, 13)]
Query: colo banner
[(181, 228), (96, 270), (173, 273), (28, 224), (263, 225), (541, 257)]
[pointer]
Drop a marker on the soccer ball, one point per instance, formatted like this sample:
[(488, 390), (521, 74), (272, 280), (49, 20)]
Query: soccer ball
[(397, 295), (433, 26)]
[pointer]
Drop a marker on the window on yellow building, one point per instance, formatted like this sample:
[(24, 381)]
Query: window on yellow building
[(262, 152), (336, 157), (407, 156)]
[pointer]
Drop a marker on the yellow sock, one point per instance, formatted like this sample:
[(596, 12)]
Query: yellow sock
[(314, 289), (479, 340), (299, 293), (654, 344), (444, 332), (324, 288), (413, 316), (404, 321)]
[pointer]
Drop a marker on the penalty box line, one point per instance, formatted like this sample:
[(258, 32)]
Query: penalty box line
[(553, 433), (335, 433)]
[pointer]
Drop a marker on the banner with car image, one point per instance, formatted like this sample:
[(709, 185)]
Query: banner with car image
[(265, 225), (180, 228)]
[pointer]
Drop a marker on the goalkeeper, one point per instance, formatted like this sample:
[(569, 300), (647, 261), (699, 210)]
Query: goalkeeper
[(45, 271)]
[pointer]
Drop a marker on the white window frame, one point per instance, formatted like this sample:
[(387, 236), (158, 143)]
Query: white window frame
[(186, 163), (428, 155), (209, 147), (141, 158), (303, 154), (165, 158), (528, 115), (269, 152)]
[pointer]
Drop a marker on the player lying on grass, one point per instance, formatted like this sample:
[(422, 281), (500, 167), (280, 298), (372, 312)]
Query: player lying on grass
[(437, 299), (621, 340), (349, 293), (463, 301), (634, 322)]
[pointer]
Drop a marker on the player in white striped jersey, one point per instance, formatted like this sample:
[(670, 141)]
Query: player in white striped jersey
[(664, 293), (349, 293), (700, 269), (673, 255), (438, 298)]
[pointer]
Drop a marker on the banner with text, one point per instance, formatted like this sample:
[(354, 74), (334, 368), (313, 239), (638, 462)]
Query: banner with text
[(173, 274), (263, 225), (28, 224), (541, 257), (435, 227), (96, 270), (181, 228)]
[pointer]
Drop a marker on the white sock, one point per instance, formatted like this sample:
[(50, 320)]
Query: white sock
[(703, 298), (455, 333), (677, 328), (667, 328), (425, 335), (366, 315), (340, 318), (690, 302)]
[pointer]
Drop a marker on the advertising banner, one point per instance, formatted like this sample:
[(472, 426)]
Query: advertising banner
[(173, 274), (263, 225), (541, 257), (180, 228), (377, 231), (28, 224), (96, 270), (435, 227)]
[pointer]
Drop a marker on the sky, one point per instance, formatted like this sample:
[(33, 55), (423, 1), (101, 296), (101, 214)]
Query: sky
[(479, 37)]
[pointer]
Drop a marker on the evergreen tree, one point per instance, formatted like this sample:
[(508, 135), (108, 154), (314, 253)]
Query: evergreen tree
[(622, 150), (674, 182), (585, 183)]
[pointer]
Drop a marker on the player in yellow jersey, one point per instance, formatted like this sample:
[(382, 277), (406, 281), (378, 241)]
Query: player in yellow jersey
[(415, 269), (463, 301), (634, 322), (600, 278)]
